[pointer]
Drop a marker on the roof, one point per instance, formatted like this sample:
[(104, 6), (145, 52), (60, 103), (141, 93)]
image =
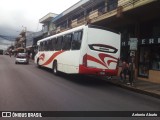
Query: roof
[(75, 6), (47, 17)]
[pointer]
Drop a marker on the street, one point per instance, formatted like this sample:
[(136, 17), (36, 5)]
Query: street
[(28, 88)]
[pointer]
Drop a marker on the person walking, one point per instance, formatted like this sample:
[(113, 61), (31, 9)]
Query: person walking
[(131, 72)]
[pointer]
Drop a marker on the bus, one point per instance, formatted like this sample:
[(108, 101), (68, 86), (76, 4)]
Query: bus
[(87, 49)]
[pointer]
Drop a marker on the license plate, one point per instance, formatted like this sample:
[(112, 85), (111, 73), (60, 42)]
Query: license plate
[(102, 73)]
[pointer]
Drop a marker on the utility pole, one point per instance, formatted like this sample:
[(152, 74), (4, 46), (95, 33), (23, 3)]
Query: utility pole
[(133, 49), (25, 30)]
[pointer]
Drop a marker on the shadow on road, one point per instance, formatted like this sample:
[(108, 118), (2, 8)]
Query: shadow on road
[(81, 79)]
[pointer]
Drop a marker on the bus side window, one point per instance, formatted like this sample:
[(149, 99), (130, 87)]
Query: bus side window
[(76, 41), (49, 45), (66, 45), (53, 43), (40, 47), (59, 43), (37, 48), (43, 48), (45, 45)]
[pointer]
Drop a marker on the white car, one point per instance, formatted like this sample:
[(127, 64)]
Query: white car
[(22, 58)]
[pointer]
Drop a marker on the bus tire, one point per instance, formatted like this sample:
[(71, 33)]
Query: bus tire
[(55, 71), (38, 64)]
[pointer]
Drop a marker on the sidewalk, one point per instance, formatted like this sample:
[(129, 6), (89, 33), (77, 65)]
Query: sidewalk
[(140, 86)]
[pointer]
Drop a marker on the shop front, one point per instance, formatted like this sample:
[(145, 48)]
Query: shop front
[(149, 59)]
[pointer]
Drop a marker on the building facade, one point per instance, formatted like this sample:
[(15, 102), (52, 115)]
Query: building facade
[(20, 42), (138, 19), (48, 27)]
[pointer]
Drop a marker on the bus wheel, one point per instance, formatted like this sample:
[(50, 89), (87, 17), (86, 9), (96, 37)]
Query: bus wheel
[(55, 71), (38, 64)]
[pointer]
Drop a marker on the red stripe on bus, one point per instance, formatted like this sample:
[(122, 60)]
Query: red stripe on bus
[(110, 61), (91, 58), (52, 57), (103, 56), (42, 56)]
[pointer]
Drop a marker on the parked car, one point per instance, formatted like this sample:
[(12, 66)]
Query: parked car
[(22, 58), (6, 53)]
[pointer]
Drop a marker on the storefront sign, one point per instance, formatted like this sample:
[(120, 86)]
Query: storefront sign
[(149, 41), (133, 43), (143, 42)]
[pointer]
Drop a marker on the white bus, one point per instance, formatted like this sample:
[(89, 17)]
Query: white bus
[(87, 49)]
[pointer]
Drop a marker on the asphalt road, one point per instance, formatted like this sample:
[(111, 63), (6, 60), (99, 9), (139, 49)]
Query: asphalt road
[(28, 88)]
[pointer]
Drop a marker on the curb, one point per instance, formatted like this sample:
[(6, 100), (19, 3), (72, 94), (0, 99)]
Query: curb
[(152, 94)]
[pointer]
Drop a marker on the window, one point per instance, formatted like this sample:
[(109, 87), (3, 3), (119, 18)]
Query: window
[(49, 45), (59, 43), (155, 58), (66, 45), (144, 61), (45, 45), (41, 46), (76, 42), (112, 4), (149, 59), (54, 40)]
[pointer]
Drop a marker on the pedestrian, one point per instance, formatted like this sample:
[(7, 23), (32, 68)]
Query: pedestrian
[(124, 71), (131, 72)]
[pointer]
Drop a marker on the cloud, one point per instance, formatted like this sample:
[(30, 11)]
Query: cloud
[(17, 14), (4, 44)]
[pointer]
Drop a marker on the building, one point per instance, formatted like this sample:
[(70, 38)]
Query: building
[(27, 40), (48, 26), (138, 19), (20, 42), (31, 39)]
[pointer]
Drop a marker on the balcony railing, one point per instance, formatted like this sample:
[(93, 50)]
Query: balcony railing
[(74, 23), (94, 14), (131, 4), (104, 12)]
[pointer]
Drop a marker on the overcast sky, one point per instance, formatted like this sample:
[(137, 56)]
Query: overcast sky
[(17, 14)]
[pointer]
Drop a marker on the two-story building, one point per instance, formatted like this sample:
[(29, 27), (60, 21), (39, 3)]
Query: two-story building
[(132, 18), (48, 26)]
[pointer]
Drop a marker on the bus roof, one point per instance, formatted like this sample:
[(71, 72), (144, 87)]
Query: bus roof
[(76, 29), (62, 33)]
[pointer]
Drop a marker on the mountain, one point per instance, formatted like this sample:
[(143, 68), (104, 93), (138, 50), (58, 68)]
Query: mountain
[(7, 37), (6, 31)]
